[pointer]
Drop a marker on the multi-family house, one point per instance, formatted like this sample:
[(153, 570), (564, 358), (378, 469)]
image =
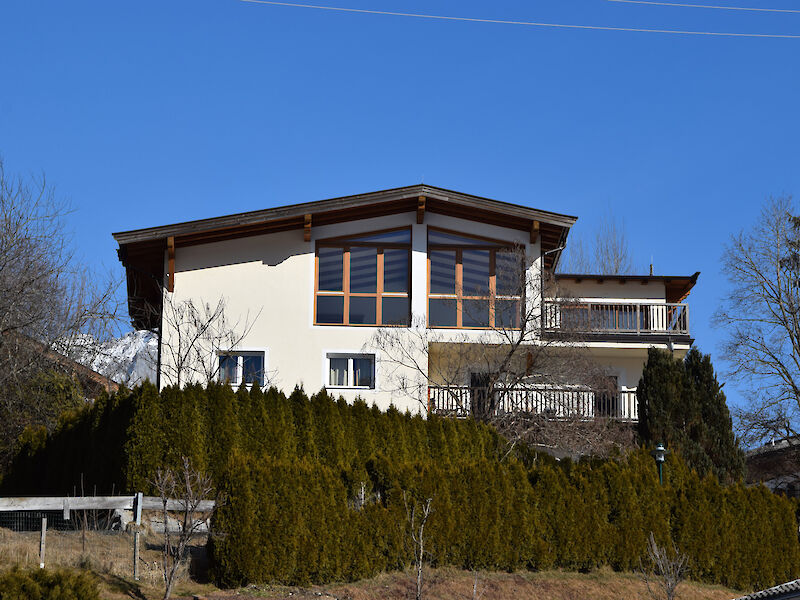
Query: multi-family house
[(312, 286)]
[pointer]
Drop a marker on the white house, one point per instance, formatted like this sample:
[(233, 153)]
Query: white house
[(309, 286)]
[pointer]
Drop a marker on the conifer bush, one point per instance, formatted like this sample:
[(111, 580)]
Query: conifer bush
[(48, 584), (315, 490)]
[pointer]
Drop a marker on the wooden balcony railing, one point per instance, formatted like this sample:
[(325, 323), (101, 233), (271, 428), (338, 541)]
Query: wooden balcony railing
[(637, 318), (555, 402)]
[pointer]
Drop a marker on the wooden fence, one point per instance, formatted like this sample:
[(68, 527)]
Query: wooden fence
[(136, 503)]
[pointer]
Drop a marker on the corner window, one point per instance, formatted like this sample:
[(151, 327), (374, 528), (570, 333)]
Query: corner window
[(236, 368), (473, 282), (364, 280), (351, 371)]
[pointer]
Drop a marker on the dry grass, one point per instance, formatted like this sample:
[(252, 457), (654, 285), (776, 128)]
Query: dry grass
[(106, 553), (451, 584), (110, 555)]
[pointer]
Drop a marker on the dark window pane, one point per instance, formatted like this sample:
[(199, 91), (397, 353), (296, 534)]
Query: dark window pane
[(443, 271), (363, 270), (253, 368), (395, 270), (396, 311), (330, 269), (451, 239), (364, 372), (506, 313), (362, 310), (227, 368), (402, 236), (442, 312), (330, 309), (476, 272), (338, 371), (509, 271), (476, 313)]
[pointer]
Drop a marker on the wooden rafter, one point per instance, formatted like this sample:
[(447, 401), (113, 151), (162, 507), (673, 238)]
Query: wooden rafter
[(535, 225), (420, 210), (171, 264), (307, 228)]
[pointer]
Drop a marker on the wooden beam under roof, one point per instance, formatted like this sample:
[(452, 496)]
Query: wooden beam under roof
[(420, 210), (171, 264), (535, 226), (307, 228)]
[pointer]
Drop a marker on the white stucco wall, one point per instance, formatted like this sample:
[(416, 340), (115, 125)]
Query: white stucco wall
[(268, 282)]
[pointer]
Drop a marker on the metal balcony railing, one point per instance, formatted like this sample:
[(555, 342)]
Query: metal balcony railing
[(637, 318), (573, 402)]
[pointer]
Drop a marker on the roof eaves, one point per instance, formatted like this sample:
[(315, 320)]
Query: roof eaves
[(339, 203)]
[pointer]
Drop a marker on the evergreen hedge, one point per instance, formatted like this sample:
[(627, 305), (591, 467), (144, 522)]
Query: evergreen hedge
[(294, 471), (48, 584), (294, 522)]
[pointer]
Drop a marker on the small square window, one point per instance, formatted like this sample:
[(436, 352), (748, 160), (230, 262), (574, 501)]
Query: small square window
[(351, 370), (236, 368)]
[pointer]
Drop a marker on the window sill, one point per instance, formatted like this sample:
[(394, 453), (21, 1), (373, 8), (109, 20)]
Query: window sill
[(349, 387)]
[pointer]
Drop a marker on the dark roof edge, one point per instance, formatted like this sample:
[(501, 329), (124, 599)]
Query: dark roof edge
[(692, 278), (338, 203)]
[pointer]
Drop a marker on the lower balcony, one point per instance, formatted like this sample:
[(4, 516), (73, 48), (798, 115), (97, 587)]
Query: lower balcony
[(558, 403)]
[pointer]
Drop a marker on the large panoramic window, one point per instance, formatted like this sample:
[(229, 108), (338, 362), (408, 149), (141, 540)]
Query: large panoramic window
[(473, 282), (364, 280)]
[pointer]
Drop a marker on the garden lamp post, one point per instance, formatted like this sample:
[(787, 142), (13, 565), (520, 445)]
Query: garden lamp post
[(660, 454)]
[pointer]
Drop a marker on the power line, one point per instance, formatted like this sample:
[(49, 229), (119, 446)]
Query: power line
[(718, 7), (529, 23)]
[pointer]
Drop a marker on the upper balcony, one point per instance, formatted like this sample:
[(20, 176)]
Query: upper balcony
[(646, 321), (619, 308)]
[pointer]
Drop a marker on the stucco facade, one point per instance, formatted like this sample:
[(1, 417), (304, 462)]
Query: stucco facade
[(268, 279)]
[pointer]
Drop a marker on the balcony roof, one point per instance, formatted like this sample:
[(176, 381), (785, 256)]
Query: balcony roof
[(677, 287)]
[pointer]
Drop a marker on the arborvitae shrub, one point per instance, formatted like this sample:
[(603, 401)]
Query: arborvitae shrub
[(291, 473), (48, 584)]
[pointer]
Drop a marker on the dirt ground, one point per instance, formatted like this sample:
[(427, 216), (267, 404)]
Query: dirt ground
[(451, 584), (110, 556)]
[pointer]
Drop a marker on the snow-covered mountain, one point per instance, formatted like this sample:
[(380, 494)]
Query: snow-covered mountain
[(130, 359)]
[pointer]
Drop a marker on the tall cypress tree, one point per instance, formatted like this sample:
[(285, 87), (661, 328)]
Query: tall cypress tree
[(681, 403)]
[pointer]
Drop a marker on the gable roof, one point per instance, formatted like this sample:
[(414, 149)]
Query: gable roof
[(142, 250)]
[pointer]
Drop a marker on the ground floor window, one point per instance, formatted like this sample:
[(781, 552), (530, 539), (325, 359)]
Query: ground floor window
[(351, 370), (242, 367)]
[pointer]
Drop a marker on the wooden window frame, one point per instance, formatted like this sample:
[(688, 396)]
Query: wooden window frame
[(493, 247), (345, 244)]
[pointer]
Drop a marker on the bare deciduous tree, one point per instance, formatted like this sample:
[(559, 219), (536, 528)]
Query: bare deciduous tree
[(50, 304), (607, 254), (529, 375), (664, 570), (417, 514), (195, 335), (761, 313), (190, 488)]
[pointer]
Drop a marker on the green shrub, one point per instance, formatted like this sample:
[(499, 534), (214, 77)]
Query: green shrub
[(46, 584), (316, 490)]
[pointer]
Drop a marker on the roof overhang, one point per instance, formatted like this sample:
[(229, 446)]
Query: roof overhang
[(676, 287), (142, 250)]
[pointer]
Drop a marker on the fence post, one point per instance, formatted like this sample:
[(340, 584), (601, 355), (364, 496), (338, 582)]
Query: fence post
[(41, 542), (137, 512)]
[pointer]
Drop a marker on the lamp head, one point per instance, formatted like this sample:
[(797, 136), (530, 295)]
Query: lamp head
[(660, 453)]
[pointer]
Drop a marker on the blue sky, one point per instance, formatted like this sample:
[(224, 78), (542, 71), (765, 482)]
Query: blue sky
[(145, 113)]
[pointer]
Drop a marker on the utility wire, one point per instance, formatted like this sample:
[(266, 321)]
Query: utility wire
[(529, 23), (651, 2)]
